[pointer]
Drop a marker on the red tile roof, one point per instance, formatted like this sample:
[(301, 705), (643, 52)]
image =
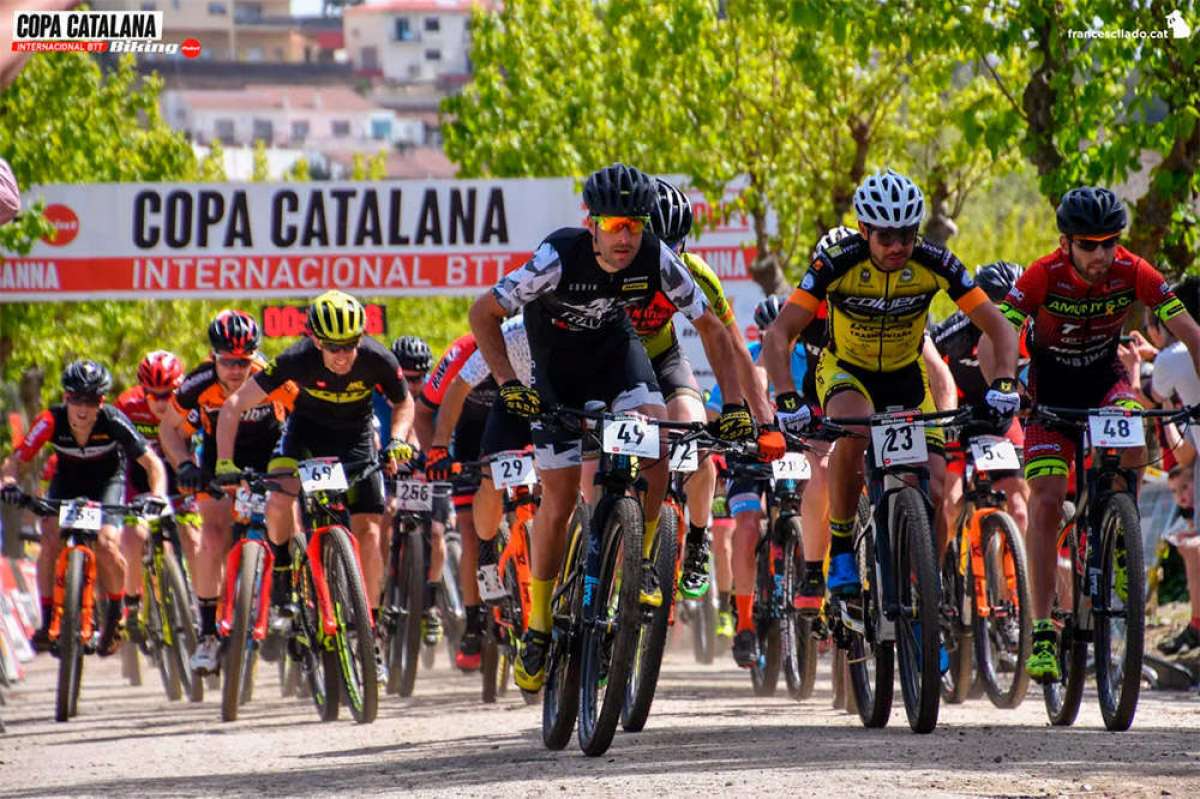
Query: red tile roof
[(422, 7), (257, 95)]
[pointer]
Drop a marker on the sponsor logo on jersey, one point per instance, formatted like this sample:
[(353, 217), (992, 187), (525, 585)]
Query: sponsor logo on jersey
[(808, 282), (1085, 307), (893, 305), (637, 284), (906, 275), (865, 275), (583, 286)]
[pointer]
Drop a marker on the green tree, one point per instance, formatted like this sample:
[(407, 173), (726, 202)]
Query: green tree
[(260, 170)]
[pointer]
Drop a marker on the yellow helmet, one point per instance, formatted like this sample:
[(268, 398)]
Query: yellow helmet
[(336, 316)]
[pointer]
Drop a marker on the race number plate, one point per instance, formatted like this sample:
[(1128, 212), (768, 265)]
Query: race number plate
[(513, 469), (992, 453), (898, 441), (792, 466), (411, 495), (80, 516), (322, 475), (1115, 429), (630, 436), (685, 456), (247, 503)]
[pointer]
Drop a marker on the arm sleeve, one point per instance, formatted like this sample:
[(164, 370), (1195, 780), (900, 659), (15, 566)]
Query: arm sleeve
[(1154, 292), (133, 442), (814, 284), (10, 195), (475, 370), (448, 367), (39, 433), (1026, 296), (535, 277), (710, 284), (678, 284), (391, 378)]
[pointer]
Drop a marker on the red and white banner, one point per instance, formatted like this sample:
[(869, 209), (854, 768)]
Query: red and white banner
[(229, 240)]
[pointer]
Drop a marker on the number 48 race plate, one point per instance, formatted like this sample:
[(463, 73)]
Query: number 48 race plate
[(1115, 429)]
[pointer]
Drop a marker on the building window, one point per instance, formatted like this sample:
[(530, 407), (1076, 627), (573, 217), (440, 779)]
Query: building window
[(404, 31), (370, 58), (149, 6), (433, 24), (341, 128), (381, 129), (217, 9), (224, 128), (433, 55), (263, 129), (254, 54), (299, 130)]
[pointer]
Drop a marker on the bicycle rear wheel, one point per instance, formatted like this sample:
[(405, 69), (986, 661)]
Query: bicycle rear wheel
[(957, 627), (917, 623), (355, 640), (70, 647), (560, 704), (610, 641), (454, 614), (704, 624), (239, 646), (652, 633), (1120, 612), (1003, 637), (404, 607), (871, 662)]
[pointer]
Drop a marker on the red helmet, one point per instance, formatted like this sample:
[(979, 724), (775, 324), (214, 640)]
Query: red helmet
[(234, 332), (160, 371)]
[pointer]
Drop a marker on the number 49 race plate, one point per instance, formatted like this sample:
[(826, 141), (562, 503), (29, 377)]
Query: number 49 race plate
[(631, 436)]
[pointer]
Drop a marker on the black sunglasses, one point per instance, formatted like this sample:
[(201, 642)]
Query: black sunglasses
[(349, 346), (889, 236), (90, 400), (1091, 245)]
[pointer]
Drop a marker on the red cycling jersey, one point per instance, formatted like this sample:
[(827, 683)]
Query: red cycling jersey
[(447, 368), (132, 403)]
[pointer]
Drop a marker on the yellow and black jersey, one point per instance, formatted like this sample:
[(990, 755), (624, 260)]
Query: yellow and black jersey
[(876, 318)]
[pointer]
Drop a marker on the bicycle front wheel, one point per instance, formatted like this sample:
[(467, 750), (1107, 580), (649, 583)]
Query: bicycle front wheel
[(239, 647), (404, 599), (355, 640), (318, 662), (610, 641), (1003, 637), (956, 622), (70, 647), (179, 626), (799, 646), (1120, 612), (871, 662), (917, 623), (652, 634)]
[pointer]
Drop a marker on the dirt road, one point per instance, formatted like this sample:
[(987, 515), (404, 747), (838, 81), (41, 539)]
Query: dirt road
[(707, 736)]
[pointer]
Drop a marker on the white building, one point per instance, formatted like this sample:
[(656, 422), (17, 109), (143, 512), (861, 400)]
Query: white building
[(410, 40), (332, 118)]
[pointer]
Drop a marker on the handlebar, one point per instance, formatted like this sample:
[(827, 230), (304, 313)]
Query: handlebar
[(143, 505)]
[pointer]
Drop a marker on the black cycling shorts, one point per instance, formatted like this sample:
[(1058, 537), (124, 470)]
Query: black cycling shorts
[(139, 480), (106, 488), (674, 375), (255, 457), (504, 431), (468, 434), (614, 370), (303, 438)]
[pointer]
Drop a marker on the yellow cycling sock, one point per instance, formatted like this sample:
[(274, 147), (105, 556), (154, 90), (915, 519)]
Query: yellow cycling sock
[(648, 539), (841, 535), (540, 592)]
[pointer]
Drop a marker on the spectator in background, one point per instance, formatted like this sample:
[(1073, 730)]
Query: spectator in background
[(10, 195), (1184, 539)]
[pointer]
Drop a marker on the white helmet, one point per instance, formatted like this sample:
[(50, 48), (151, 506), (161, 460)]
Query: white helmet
[(831, 237), (889, 200)]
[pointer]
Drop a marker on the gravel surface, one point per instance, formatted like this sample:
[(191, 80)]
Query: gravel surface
[(707, 735)]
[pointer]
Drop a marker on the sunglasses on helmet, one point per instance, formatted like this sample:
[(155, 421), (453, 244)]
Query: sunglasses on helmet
[(615, 224), (1091, 245)]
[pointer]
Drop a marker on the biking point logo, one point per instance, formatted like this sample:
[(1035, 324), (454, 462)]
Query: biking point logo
[(95, 32)]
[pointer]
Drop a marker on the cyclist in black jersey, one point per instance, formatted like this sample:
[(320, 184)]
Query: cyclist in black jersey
[(336, 370), (95, 444), (574, 291)]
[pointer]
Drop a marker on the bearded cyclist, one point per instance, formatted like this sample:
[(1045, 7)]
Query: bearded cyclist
[(671, 221), (1078, 298), (94, 442), (574, 291), (234, 338), (335, 370), (879, 284)]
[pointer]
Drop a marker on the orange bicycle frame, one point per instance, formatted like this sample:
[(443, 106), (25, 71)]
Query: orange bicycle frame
[(517, 551), (87, 598), (233, 562)]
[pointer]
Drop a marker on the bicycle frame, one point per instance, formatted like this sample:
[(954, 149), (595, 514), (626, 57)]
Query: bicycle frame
[(516, 550), (70, 544), (253, 533), (161, 533), (980, 500)]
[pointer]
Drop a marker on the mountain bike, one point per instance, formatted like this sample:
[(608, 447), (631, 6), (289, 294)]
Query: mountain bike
[(77, 609), (404, 585), (899, 602), (986, 610), (1107, 606), (332, 635), (166, 617), (595, 607)]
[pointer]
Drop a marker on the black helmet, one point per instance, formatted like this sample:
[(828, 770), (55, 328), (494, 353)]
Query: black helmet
[(413, 353), (1091, 211), (1188, 292), (619, 190), (234, 332), (86, 377), (766, 311), (671, 219), (997, 278)]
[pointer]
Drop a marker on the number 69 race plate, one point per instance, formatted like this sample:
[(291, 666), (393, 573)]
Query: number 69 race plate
[(322, 475), (898, 440)]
